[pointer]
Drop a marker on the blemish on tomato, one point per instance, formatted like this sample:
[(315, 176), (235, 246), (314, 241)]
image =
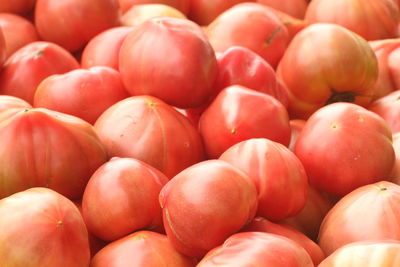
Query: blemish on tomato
[(233, 131), (60, 223)]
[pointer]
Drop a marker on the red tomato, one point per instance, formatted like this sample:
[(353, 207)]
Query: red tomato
[(7, 102), (16, 6), (45, 148), (170, 59), (181, 5), (309, 219), (296, 126), (206, 203), (379, 253), (253, 26), (371, 212), (72, 23), (354, 145), (83, 93), (388, 107), (241, 66), (372, 19), (138, 14), (279, 176), (295, 8), (145, 128), (28, 66), (327, 63), (260, 224), (17, 31), (231, 119), (203, 12), (395, 174), (388, 54), (257, 249), (42, 228), (103, 49), (128, 190), (143, 248)]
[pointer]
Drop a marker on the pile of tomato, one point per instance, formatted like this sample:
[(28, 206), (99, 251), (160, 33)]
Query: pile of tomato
[(187, 133)]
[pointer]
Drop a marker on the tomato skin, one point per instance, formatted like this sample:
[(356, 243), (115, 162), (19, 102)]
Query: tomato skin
[(241, 66), (181, 5), (17, 6), (378, 253), (371, 19), (17, 31), (184, 49), (28, 66), (388, 54), (395, 174), (222, 127), (253, 26), (43, 229), (128, 189), (7, 101), (370, 212), (103, 49), (388, 107), (72, 23), (295, 8), (279, 176), (296, 126), (138, 14), (150, 249), (83, 93), (203, 12), (146, 128), (60, 151), (315, 68), (257, 249), (205, 204), (353, 132), (260, 224)]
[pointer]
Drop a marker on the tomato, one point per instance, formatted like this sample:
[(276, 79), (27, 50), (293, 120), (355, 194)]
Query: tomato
[(260, 224), (295, 8), (28, 66), (40, 147), (279, 176), (372, 19), (181, 5), (83, 93), (309, 219), (128, 190), (231, 119), (370, 212), (185, 75), (143, 248), (42, 228), (388, 54), (354, 144), (206, 203), (145, 128), (379, 253), (72, 23), (257, 249), (203, 12), (17, 6), (241, 66), (388, 107), (7, 102), (253, 26), (138, 14), (17, 32), (327, 63), (103, 49)]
